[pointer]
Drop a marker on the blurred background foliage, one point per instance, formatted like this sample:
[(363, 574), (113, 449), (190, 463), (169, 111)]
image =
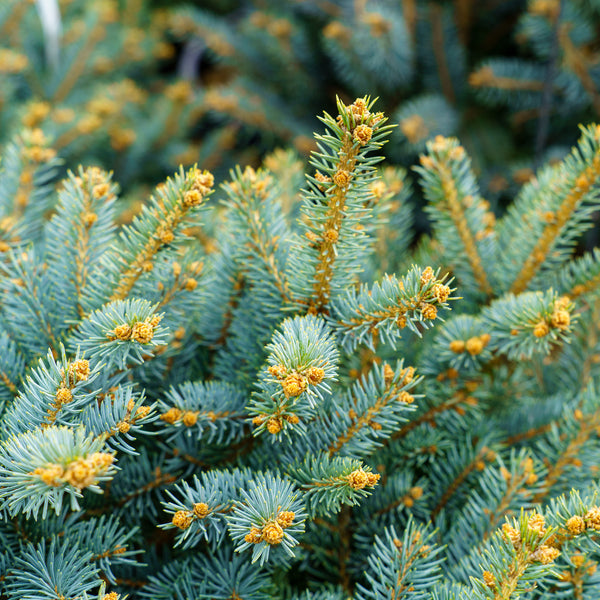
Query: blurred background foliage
[(139, 87)]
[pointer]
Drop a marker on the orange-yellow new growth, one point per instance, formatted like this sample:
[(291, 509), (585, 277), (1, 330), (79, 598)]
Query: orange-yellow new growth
[(254, 536), (80, 369), (272, 533), (457, 346), (201, 510), (274, 425), (51, 474), (474, 346), (545, 554), (359, 479), (429, 311), (182, 519), (362, 134), (575, 525), (315, 375), (142, 332), (122, 332), (172, 415), (63, 396), (342, 178), (285, 518), (489, 579), (190, 418), (592, 518), (293, 385)]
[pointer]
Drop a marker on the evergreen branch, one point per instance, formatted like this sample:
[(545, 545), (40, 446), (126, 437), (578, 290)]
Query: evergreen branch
[(334, 205), (259, 230), (164, 236), (329, 483), (337, 204), (485, 77), (108, 541), (461, 344), (373, 408), (578, 427), (28, 168), (199, 511), (138, 485), (476, 464), (156, 229), (581, 276), (392, 207), (225, 575), (398, 492), (229, 309), (366, 315), (456, 213), (459, 213), (267, 518), (522, 553), (430, 414), (302, 362), (520, 487), (568, 458), (529, 323), (186, 276), (55, 570), (115, 417), (121, 330), (527, 435), (576, 60), (160, 480), (77, 234), (54, 391), (403, 565), (424, 117), (568, 191), (39, 468), (25, 292), (214, 411)]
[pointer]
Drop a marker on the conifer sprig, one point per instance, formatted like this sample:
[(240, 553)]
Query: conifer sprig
[(157, 229), (555, 209), (302, 366), (518, 555), (409, 564), (369, 412), (461, 217), (353, 453), (380, 313), (212, 411), (121, 331), (42, 468), (267, 518), (327, 483), (323, 263), (528, 323), (78, 234)]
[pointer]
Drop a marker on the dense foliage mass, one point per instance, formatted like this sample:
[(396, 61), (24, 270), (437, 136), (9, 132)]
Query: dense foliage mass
[(275, 383), (278, 386), (138, 86)]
